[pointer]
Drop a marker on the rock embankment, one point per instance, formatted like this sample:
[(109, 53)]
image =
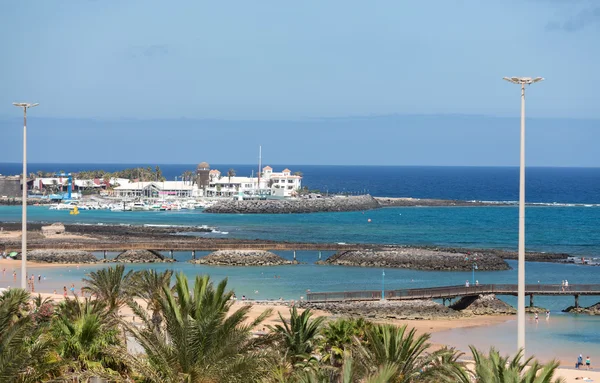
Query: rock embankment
[(243, 258), (591, 310), (300, 205), (416, 309), (483, 305), (141, 256), (416, 258), (60, 256)]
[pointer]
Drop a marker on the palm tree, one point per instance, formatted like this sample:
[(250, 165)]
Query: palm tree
[(201, 340), (25, 353), (111, 285), (148, 285), (299, 336), (494, 368), (88, 338), (406, 353), (230, 173), (338, 337)]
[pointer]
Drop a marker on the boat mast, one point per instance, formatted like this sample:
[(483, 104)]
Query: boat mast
[(259, 165)]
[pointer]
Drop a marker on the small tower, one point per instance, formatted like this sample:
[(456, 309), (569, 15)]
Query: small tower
[(202, 176)]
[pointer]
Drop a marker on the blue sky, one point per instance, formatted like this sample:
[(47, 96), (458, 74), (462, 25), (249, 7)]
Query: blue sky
[(109, 71)]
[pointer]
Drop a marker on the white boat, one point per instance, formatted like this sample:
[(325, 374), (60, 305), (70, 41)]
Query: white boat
[(140, 206)]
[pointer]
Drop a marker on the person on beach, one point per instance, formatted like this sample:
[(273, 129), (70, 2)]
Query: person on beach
[(39, 278), (537, 318), (65, 291), (72, 288), (579, 361), (588, 362), (15, 275), (547, 314)]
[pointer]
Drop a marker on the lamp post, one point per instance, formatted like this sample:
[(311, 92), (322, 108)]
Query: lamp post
[(383, 285), (521, 264), (25, 106)]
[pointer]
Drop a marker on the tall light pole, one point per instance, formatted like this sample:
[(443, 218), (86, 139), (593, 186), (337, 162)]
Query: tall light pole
[(521, 268), (25, 106)]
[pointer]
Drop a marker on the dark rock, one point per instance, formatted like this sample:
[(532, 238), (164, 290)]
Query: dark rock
[(59, 256), (243, 258), (141, 256), (591, 310), (300, 205), (416, 258), (483, 305), (414, 309)]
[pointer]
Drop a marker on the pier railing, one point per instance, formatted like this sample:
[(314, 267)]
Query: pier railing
[(453, 292)]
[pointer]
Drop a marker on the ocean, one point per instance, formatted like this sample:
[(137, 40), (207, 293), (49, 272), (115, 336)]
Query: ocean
[(544, 185), (565, 219)]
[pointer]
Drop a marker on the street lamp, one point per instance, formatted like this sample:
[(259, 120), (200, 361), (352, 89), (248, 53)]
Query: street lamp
[(25, 106), (521, 268)]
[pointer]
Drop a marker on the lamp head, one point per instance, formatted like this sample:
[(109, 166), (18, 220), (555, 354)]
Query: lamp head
[(25, 104), (523, 80)]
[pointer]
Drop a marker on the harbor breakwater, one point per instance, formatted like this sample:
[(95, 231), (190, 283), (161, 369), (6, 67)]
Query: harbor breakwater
[(417, 259), (300, 205)]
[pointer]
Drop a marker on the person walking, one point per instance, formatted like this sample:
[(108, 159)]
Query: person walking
[(579, 361), (588, 362), (467, 283)]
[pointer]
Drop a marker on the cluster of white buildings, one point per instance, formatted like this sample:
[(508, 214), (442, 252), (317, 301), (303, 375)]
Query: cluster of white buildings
[(275, 184)]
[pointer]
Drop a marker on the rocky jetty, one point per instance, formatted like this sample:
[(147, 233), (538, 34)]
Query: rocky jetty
[(415, 258), (415, 309), (299, 205), (591, 310), (60, 256), (141, 256), (243, 258), (483, 305)]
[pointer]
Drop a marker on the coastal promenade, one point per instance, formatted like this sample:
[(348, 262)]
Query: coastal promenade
[(451, 292)]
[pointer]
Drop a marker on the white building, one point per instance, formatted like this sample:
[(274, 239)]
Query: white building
[(155, 189), (283, 184)]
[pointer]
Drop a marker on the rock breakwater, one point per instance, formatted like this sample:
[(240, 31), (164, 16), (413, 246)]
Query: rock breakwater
[(60, 256), (591, 310), (300, 205), (415, 309), (141, 256), (483, 305), (416, 258), (243, 258)]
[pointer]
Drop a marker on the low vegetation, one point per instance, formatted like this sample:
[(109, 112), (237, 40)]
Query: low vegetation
[(192, 334)]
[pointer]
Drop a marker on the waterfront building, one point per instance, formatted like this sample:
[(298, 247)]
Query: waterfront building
[(282, 184), (279, 184), (10, 186), (155, 189)]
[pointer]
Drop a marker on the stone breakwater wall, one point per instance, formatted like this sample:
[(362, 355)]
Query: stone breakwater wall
[(591, 310), (483, 305), (243, 258), (415, 258), (141, 256), (417, 309), (300, 205), (60, 256), (407, 202)]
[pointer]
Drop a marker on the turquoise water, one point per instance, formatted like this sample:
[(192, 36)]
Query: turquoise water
[(571, 229), (561, 337), (575, 230)]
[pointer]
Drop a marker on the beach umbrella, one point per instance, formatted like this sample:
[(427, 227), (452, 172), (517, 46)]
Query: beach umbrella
[(13, 254)]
